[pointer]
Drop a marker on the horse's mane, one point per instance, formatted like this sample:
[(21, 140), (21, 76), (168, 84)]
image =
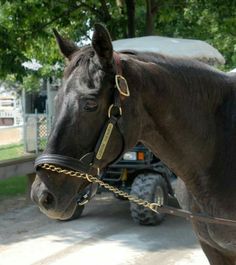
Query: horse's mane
[(185, 76), (199, 79), (179, 64)]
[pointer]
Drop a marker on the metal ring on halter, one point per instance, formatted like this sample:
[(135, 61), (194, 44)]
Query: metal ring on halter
[(110, 108), (126, 93)]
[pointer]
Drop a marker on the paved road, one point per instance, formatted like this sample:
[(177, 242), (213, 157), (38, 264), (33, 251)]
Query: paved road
[(105, 235)]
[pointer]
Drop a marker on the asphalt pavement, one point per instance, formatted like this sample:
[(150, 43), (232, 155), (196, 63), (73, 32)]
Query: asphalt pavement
[(104, 235)]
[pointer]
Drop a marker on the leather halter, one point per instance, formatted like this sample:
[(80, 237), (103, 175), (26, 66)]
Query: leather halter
[(88, 162)]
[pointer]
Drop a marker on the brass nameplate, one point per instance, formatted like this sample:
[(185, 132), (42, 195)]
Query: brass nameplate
[(104, 142)]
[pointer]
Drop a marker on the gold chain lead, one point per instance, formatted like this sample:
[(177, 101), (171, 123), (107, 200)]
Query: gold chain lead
[(90, 178)]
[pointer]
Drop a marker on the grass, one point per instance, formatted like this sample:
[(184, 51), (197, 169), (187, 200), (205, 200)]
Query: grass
[(11, 151), (17, 150), (13, 187)]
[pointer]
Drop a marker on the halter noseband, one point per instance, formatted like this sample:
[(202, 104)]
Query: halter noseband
[(88, 162)]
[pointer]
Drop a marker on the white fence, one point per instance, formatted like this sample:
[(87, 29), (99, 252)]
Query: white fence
[(35, 132), (32, 134)]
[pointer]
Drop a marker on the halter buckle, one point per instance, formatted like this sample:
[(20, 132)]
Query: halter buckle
[(122, 85)]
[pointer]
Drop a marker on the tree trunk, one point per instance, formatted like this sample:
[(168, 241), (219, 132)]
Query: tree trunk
[(130, 5), (105, 12), (151, 11)]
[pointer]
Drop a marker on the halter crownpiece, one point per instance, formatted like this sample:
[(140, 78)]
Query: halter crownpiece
[(121, 82), (122, 85)]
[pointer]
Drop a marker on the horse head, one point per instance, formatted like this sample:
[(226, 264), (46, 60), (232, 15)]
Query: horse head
[(91, 125)]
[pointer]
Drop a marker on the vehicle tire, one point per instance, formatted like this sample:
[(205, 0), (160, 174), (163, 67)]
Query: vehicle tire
[(153, 188)]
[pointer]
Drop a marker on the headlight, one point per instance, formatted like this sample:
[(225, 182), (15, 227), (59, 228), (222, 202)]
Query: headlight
[(130, 156)]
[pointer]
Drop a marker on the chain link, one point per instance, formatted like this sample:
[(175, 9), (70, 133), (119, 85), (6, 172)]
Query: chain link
[(92, 179)]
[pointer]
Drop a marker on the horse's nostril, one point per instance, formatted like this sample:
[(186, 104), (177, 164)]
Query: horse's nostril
[(46, 200)]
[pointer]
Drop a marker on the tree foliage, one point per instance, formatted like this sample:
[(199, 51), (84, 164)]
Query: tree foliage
[(26, 29), (26, 26), (212, 21)]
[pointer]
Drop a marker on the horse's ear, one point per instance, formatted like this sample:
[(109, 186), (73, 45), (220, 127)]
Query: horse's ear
[(101, 42), (67, 47)]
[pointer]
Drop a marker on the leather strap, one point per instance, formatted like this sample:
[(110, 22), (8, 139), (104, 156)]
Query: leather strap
[(65, 161), (201, 217), (121, 82), (118, 65)]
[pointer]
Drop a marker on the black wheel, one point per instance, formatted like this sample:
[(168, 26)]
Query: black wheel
[(151, 187)]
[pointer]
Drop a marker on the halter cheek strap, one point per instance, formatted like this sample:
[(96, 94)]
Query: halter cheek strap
[(114, 113)]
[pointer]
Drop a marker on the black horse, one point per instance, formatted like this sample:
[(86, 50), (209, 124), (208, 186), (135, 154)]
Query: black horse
[(183, 110)]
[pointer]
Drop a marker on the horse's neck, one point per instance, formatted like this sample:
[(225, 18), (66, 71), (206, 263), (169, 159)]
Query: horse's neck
[(179, 129)]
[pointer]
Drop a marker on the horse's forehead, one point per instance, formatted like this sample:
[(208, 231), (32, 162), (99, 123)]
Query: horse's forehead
[(83, 79), (82, 56)]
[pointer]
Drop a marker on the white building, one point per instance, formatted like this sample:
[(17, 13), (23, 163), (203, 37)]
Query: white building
[(10, 108)]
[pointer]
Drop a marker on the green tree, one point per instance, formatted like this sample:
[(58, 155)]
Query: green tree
[(212, 21), (26, 30), (26, 27)]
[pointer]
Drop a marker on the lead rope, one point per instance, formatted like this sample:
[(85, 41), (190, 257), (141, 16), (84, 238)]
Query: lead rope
[(107, 186), (155, 207)]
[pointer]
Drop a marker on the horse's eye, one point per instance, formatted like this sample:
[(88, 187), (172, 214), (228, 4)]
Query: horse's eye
[(90, 105)]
